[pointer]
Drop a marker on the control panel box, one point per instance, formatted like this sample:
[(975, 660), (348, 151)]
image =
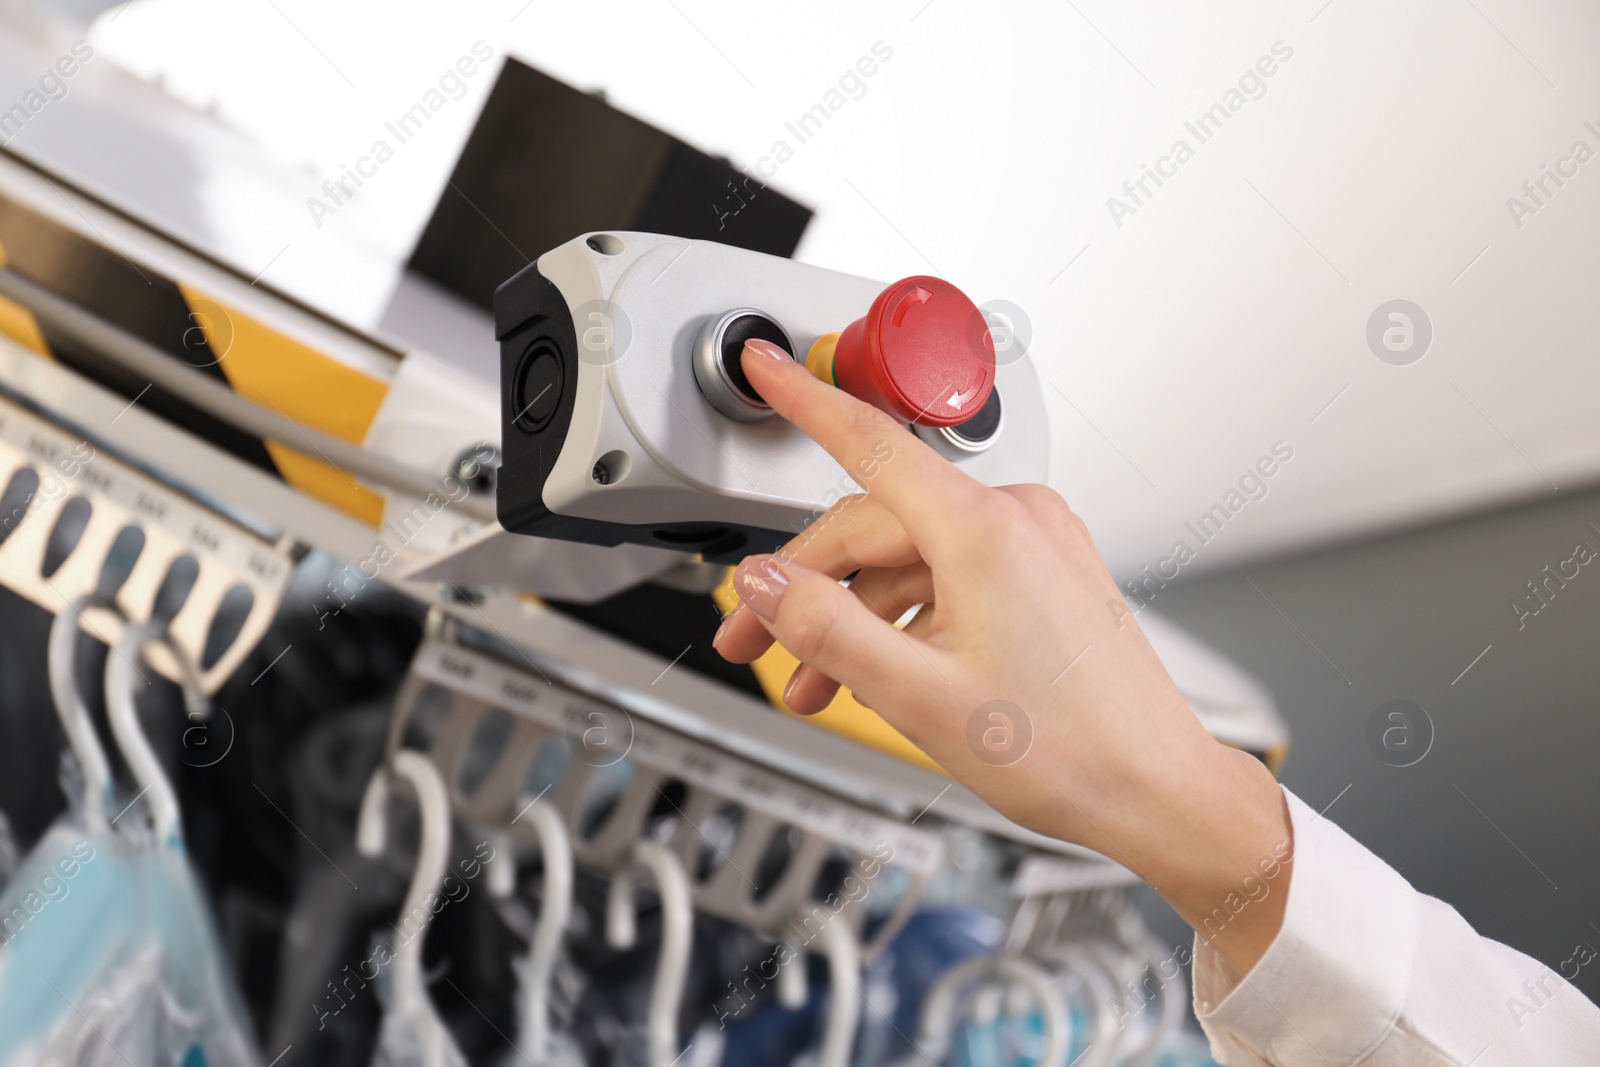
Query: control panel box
[(626, 418)]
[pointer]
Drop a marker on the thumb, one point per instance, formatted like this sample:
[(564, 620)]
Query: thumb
[(827, 626)]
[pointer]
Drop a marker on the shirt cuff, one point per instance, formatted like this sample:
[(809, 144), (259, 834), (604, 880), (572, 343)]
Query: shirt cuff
[(1332, 983)]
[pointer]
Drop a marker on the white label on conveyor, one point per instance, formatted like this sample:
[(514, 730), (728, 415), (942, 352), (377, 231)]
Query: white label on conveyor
[(665, 750), (56, 453)]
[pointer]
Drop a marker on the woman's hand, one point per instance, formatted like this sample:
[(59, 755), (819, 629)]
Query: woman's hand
[(1023, 673)]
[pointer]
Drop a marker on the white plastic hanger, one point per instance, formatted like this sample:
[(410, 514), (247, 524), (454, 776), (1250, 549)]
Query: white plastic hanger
[(1140, 951), (844, 1006), (135, 747), (412, 1033), (677, 925), (792, 991), (1101, 996), (433, 856), (502, 867), (1043, 924), (544, 947), (936, 1024), (61, 658), (178, 974), (843, 953)]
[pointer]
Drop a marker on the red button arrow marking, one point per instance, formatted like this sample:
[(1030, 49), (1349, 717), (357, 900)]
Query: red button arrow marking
[(919, 295), (961, 400)]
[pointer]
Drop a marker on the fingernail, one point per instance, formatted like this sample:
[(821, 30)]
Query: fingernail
[(789, 689), (716, 640), (761, 583), (766, 348)]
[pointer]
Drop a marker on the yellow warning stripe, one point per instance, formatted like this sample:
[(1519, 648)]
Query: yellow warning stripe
[(300, 383), (18, 323)]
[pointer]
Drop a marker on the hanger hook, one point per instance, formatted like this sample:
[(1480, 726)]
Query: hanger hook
[(792, 991), (1102, 996), (555, 908), (843, 953), (61, 659), (677, 926), (135, 747), (936, 1023), (433, 855)]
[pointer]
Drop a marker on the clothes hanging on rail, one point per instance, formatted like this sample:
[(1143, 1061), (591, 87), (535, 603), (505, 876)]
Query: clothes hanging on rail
[(110, 958)]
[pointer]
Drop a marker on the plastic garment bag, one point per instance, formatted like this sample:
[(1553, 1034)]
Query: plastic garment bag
[(109, 955), (118, 964), (412, 1034)]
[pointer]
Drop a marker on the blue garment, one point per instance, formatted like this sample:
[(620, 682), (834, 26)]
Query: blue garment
[(933, 939)]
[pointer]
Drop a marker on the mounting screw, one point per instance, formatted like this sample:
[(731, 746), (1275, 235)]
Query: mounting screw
[(479, 468), (450, 593)]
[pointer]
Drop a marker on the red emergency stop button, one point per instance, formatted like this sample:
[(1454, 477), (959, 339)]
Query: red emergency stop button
[(915, 355)]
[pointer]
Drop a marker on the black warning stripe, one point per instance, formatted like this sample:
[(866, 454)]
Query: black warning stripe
[(132, 297)]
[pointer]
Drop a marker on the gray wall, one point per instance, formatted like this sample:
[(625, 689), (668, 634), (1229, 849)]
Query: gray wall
[(1518, 735)]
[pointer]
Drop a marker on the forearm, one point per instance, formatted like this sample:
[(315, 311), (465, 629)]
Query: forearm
[(1223, 861), (1207, 827)]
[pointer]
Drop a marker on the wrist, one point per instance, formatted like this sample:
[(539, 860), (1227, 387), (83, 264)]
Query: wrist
[(1226, 858), (1208, 828)]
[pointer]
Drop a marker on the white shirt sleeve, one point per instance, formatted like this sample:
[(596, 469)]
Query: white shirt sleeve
[(1368, 971)]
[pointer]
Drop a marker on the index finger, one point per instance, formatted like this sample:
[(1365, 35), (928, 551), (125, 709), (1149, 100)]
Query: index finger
[(917, 485)]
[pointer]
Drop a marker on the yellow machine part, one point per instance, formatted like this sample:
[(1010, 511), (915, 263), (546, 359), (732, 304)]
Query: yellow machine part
[(845, 716)]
